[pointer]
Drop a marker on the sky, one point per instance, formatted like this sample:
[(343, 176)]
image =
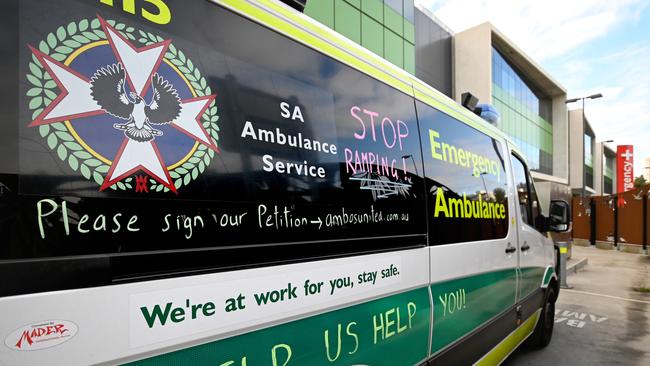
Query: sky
[(588, 46)]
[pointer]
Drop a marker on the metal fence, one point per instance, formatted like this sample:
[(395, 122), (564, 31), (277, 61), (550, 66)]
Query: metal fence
[(613, 220)]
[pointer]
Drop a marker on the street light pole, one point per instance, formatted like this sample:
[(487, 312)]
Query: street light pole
[(584, 152), (584, 171)]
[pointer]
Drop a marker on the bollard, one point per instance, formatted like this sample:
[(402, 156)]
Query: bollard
[(563, 254)]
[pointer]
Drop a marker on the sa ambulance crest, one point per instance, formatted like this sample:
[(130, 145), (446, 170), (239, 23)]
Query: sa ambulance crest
[(124, 108)]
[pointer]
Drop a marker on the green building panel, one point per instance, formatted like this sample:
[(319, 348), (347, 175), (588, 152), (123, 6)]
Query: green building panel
[(321, 10), (409, 57), (393, 20), (393, 48), (373, 24), (372, 35), (347, 20), (355, 3), (373, 8), (409, 31)]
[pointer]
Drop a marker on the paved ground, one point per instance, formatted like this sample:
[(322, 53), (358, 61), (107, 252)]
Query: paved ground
[(602, 320)]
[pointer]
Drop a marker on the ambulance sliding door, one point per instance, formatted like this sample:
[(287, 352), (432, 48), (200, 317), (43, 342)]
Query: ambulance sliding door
[(472, 244)]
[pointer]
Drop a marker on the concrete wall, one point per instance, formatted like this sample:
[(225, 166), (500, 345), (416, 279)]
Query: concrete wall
[(472, 59), (433, 52), (576, 133), (598, 168), (560, 138)]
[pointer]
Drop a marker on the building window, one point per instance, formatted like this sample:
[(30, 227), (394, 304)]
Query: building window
[(589, 161), (525, 116), (395, 5), (608, 175), (409, 11)]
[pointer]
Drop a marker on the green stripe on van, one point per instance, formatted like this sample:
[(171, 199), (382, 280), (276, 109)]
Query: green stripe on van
[(462, 305), (548, 275), (390, 331), (531, 280)]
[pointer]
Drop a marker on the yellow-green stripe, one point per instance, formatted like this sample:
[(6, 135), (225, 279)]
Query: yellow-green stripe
[(505, 347)]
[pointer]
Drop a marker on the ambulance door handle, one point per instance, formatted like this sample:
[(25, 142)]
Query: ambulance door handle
[(510, 249), (525, 247)]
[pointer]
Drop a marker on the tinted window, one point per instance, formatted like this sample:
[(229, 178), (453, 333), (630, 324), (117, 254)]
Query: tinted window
[(466, 181), (521, 183), (536, 209), (255, 141), (531, 210)]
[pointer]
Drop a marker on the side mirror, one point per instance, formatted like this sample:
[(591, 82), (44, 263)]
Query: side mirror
[(559, 217)]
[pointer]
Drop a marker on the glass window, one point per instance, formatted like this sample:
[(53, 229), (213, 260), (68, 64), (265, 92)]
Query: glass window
[(521, 184), (465, 180), (521, 113), (496, 71), (310, 151), (536, 209), (589, 154), (529, 207), (409, 10), (395, 5)]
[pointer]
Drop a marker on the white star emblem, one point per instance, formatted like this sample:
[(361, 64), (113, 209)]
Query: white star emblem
[(76, 100)]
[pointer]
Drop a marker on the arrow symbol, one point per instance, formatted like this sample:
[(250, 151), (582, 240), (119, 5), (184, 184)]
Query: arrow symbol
[(319, 222)]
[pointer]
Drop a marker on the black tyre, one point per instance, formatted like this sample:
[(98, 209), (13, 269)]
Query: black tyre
[(543, 332)]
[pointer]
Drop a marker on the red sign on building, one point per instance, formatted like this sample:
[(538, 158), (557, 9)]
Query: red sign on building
[(625, 168)]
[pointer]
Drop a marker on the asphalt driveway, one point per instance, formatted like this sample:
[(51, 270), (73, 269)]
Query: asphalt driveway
[(603, 319)]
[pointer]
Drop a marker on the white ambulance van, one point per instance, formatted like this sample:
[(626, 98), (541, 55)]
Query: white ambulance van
[(230, 183)]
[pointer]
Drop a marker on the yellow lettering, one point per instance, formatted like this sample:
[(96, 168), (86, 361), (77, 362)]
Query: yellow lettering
[(456, 155), (449, 153), (164, 15), (434, 144), (462, 157), (128, 6), (456, 207), (441, 204)]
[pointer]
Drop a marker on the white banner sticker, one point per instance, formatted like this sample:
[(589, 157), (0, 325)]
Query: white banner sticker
[(167, 314)]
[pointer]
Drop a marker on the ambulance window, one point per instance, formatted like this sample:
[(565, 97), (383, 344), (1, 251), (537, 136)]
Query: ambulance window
[(536, 207), (465, 180), (521, 185), (282, 154)]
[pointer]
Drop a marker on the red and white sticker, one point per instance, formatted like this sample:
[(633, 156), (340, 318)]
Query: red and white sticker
[(41, 335)]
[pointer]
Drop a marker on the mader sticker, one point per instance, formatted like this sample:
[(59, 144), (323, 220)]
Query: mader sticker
[(41, 335)]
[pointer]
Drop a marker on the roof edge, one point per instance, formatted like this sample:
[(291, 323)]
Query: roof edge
[(531, 69)]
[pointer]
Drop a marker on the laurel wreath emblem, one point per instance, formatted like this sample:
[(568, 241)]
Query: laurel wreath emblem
[(64, 41)]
